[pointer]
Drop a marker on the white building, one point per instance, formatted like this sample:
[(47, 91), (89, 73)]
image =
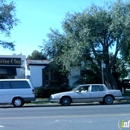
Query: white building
[(37, 71), (40, 73)]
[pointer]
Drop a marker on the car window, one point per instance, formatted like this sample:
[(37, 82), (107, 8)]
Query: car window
[(19, 84), (96, 88), (1, 86), (102, 88), (6, 85), (83, 88)]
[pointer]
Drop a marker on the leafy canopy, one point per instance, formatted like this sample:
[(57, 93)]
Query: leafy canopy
[(7, 21), (36, 55), (89, 38)]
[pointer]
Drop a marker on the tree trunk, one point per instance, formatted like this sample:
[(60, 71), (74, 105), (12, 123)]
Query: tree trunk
[(110, 80)]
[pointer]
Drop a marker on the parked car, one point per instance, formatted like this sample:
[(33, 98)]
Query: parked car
[(87, 93), (16, 92)]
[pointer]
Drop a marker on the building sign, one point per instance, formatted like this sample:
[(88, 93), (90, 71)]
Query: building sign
[(10, 61)]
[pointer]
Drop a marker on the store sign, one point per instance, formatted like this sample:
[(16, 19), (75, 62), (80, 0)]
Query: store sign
[(10, 61)]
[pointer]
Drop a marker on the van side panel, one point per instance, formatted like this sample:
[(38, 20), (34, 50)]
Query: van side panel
[(10, 89), (7, 95)]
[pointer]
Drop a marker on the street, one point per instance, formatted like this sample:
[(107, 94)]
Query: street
[(55, 117)]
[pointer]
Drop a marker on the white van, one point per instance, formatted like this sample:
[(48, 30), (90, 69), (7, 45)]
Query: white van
[(16, 92)]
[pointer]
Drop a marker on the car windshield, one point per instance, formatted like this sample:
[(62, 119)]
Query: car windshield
[(75, 88)]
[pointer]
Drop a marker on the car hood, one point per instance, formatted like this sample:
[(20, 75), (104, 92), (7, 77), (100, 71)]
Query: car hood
[(69, 93)]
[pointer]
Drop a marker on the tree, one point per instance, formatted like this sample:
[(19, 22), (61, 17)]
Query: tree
[(36, 55), (125, 49), (91, 36), (7, 21)]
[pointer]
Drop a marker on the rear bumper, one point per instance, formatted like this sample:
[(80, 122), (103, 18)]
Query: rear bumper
[(28, 99)]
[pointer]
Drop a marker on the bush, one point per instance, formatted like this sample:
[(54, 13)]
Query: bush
[(42, 92)]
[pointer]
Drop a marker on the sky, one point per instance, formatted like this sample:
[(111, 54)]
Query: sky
[(36, 18)]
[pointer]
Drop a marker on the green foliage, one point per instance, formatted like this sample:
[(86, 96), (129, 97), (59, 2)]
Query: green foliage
[(90, 77), (42, 92), (36, 55), (55, 49), (119, 70), (89, 37), (7, 21)]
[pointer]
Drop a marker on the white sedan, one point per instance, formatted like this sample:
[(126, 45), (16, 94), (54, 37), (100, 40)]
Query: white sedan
[(87, 93)]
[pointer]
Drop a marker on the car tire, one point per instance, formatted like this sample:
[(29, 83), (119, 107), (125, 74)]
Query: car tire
[(108, 100), (65, 101), (18, 102)]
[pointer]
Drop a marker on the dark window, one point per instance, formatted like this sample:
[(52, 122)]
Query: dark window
[(86, 88), (1, 85), (102, 88), (97, 88), (83, 88), (19, 84), (6, 85)]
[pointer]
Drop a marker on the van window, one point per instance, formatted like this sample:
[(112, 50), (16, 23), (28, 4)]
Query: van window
[(0, 85), (6, 85), (19, 84)]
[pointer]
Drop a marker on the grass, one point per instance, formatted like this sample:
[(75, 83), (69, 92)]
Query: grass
[(40, 101)]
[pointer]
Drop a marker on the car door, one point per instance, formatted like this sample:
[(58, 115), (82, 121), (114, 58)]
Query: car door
[(97, 93), (80, 96)]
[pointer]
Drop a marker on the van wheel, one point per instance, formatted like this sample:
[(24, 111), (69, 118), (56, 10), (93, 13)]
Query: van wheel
[(18, 102)]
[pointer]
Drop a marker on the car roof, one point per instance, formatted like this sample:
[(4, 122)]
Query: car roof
[(14, 79)]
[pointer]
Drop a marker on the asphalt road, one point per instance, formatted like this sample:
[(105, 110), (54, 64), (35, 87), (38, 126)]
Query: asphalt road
[(55, 117)]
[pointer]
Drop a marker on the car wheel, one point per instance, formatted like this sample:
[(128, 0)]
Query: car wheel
[(65, 101), (108, 100), (18, 102)]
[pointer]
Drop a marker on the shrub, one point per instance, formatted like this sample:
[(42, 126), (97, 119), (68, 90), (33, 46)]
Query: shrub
[(42, 92)]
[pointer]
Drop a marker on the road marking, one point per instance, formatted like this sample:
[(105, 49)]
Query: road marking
[(66, 116), (1, 126)]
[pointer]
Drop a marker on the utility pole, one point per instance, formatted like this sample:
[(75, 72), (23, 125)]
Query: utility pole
[(102, 68)]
